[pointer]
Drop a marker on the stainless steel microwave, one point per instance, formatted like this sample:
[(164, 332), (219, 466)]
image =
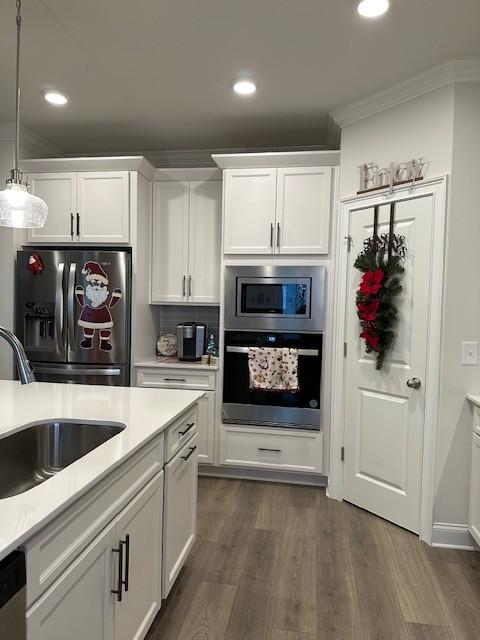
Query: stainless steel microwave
[(274, 298)]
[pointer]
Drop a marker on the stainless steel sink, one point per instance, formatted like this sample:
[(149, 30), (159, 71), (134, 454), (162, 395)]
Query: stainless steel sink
[(36, 453)]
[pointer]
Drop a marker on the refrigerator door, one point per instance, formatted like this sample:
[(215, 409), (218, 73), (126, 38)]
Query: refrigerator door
[(111, 375), (98, 307), (40, 304)]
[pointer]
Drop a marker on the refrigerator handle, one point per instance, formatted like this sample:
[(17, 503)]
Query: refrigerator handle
[(71, 305), (59, 306)]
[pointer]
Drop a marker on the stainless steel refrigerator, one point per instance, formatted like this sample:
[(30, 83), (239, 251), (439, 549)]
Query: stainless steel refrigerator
[(73, 314)]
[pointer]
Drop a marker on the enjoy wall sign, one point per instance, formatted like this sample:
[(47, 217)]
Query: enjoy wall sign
[(373, 177)]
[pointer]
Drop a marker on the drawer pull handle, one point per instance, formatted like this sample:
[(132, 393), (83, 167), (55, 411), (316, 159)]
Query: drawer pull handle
[(189, 426), (192, 449), (175, 379), (118, 590), (272, 450)]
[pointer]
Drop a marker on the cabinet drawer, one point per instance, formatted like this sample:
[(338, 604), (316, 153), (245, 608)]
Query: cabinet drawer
[(180, 432), (51, 551), (176, 378), (271, 449)]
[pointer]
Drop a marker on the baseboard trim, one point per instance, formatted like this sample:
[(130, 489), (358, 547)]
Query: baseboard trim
[(262, 475), (452, 536)]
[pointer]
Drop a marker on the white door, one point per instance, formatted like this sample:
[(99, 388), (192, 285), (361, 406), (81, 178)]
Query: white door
[(103, 206), (179, 512), (59, 191), (204, 232), (170, 242), (139, 528), (206, 427), (384, 419), (474, 513), (249, 210), (303, 210), (79, 604)]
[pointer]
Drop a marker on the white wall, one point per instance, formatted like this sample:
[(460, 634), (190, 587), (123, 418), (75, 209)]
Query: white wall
[(461, 311), (444, 127)]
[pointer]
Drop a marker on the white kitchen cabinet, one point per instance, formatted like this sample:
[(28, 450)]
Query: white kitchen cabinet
[(206, 435), (170, 242), (474, 511), (89, 207), (186, 240), (180, 512), (140, 527), (79, 605), (249, 211), (277, 211), (59, 191), (303, 210)]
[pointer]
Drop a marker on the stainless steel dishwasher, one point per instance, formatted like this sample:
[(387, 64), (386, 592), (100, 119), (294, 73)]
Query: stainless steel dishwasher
[(13, 597)]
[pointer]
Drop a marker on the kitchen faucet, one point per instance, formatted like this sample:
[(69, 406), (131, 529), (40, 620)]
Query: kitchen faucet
[(24, 369)]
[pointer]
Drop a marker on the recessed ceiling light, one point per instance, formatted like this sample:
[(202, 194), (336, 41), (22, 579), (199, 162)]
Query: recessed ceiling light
[(55, 97), (244, 87), (373, 8)]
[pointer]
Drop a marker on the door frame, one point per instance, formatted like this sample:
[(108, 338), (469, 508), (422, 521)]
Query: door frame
[(437, 189)]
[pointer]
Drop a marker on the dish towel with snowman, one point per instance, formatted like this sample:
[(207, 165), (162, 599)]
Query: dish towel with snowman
[(273, 368)]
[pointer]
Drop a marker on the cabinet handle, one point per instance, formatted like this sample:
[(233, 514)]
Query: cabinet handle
[(271, 234), (189, 426), (192, 449), (184, 285), (78, 224), (72, 216), (175, 379), (127, 561), (271, 450), (278, 235), (118, 590), (189, 285)]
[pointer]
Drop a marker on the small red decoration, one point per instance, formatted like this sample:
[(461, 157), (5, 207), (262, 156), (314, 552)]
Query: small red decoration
[(35, 264), (368, 310), (371, 282)]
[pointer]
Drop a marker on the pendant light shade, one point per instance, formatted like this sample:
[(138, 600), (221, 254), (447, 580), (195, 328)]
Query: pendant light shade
[(19, 208)]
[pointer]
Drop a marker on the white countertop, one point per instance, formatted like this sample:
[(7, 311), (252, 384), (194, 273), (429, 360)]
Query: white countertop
[(146, 412), (175, 363)]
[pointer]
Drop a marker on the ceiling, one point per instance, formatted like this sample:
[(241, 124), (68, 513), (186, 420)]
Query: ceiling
[(156, 74)]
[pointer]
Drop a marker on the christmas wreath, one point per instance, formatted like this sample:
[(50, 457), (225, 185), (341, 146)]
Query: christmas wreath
[(381, 265)]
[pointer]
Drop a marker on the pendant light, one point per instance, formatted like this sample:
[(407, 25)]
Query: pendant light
[(18, 207)]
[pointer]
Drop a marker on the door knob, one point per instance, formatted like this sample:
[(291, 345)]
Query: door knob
[(414, 383)]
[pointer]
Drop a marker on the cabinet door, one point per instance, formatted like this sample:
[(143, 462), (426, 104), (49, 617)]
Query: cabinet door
[(249, 210), (103, 206), (204, 232), (474, 514), (59, 192), (80, 604), (206, 427), (303, 210), (179, 512), (170, 242), (139, 527)]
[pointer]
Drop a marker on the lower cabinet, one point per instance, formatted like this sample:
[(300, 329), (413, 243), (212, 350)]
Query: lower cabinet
[(180, 511), (474, 513), (112, 591), (206, 421)]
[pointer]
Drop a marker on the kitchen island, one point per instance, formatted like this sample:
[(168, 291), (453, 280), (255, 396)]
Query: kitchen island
[(106, 536)]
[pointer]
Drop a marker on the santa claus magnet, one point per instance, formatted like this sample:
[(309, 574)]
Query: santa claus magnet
[(35, 264), (96, 302)]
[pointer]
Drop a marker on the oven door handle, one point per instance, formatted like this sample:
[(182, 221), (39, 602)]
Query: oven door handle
[(301, 352)]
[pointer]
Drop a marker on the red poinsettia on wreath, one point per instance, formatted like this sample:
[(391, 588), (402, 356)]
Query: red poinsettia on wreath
[(371, 282)]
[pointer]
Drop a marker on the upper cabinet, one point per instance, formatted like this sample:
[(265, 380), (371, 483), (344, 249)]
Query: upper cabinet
[(278, 210), (90, 206), (186, 242)]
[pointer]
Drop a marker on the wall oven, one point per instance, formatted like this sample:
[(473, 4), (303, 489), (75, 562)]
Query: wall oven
[(274, 298), (243, 405)]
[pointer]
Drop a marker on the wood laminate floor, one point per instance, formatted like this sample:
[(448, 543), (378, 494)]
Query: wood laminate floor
[(283, 562)]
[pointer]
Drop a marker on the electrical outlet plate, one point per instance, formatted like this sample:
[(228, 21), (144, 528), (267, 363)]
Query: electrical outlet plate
[(470, 353)]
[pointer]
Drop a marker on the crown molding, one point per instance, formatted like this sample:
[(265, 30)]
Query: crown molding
[(277, 159), (466, 70), (109, 163)]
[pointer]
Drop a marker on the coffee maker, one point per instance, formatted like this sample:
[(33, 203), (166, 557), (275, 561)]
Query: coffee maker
[(191, 340)]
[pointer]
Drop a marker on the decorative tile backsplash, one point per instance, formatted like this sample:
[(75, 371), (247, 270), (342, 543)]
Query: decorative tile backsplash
[(171, 315)]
